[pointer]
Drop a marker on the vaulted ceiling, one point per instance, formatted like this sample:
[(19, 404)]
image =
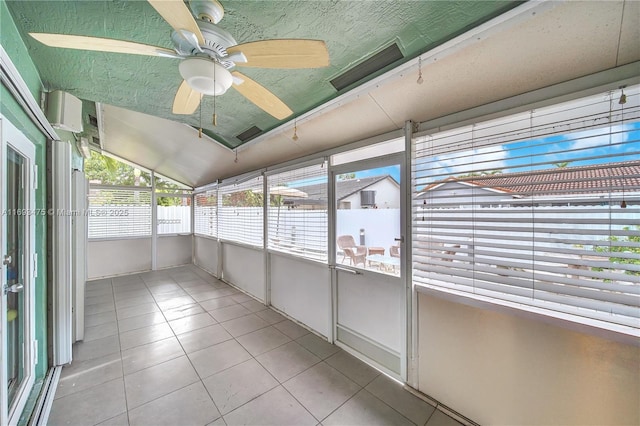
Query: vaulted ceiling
[(352, 30), (467, 61)]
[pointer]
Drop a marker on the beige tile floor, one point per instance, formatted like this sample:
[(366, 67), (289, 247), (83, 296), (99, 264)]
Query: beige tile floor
[(179, 347)]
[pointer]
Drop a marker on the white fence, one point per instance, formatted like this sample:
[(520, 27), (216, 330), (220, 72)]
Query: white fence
[(308, 229), (174, 219), (118, 221)]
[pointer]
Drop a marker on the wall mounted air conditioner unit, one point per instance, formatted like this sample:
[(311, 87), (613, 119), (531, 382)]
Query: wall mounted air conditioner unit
[(64, 111)]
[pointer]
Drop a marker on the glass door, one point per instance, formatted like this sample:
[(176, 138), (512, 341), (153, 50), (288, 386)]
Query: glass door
[(369, 282), (17, 294)]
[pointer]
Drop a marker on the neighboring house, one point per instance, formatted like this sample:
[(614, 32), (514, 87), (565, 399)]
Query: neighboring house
[(567, 186), (382, 192)]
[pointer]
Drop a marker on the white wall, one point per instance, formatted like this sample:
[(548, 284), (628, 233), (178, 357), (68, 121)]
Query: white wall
[(387, 195), (106, 258), (302, 290), (244, 268), (205, 254), (174, 250), (496, 368)]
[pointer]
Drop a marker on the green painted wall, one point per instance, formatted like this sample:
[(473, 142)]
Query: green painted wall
[(17, 51)]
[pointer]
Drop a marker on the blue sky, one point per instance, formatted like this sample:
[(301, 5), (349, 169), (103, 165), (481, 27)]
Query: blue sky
[(394, 171), (580, 148)]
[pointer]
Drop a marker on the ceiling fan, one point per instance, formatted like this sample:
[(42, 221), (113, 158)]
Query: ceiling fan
[(208, 55)]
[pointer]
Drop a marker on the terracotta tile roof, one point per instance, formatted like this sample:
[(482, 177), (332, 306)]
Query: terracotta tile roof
[(614, 177)]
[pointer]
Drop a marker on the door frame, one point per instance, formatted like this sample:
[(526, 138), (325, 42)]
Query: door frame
[(12, 136), (398, 158)]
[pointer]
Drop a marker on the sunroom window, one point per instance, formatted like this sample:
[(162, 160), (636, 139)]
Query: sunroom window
[(297, 213), (240, 211), (540, 209)]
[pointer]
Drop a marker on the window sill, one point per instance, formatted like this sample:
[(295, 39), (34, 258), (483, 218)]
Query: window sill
[(209, 237), (133, 237), (288, 255)]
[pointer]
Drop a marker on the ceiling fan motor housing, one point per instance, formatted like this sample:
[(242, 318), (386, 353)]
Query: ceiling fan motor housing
[(207, 10), (216, 42)]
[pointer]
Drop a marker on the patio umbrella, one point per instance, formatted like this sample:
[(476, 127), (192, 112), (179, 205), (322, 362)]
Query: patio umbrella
[(285, 191)]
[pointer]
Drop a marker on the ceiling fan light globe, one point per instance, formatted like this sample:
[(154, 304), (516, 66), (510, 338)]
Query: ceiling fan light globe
[(205, 76)]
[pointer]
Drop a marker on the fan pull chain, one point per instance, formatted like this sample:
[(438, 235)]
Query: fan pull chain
[(215, 116), (200, 130)]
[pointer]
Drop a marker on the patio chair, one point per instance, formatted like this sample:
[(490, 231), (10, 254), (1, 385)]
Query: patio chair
[(357, 254), (394, 251)]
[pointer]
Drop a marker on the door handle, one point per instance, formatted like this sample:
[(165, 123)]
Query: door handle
[(16, 288), (351, 271), (400, 240)]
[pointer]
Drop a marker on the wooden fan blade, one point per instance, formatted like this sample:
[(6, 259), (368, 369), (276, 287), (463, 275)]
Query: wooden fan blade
[(186, 100), (178, 15), (286, 53), (100, 44), (260, 96)]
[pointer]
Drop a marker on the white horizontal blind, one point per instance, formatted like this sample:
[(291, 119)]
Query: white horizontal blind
[(206, 213), (540, 208), (173, 214), (240, 212), (116, 212), (297, 214)]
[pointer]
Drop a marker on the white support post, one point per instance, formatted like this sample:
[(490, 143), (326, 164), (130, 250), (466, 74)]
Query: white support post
[(154, 224), (62, 303), (333, 276), (193, 228), (79, 251), (411, 359), (265, 244)]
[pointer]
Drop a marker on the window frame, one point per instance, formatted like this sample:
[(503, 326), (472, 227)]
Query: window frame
[(242, 184), (271, 247), (485, 300), (102, 237), (187, 196), (196, 210)]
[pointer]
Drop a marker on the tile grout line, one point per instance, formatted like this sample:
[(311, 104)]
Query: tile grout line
[(186, 355), (124, 384), (253, 357), (234, 338), (155, 302)]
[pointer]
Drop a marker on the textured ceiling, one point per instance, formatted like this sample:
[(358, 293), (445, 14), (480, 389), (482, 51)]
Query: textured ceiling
[(353, 31)]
